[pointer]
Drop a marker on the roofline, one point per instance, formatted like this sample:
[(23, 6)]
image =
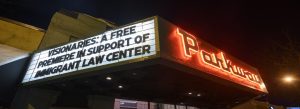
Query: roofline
[(75, 14), (21, 24)]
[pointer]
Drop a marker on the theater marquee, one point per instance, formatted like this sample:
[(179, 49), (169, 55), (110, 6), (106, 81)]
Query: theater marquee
[(147, 39), (114, 46)]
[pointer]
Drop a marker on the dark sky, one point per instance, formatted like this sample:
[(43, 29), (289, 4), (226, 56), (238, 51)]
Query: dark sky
[(254, 31)]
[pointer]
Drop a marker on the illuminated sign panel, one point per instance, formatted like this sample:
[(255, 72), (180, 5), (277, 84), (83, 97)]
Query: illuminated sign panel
[(114, 46), (207, 58)]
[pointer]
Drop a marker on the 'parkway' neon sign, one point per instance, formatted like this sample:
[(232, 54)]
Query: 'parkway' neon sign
[(215, 60)]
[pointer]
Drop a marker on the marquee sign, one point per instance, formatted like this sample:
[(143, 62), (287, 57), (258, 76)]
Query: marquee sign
[(118, 45), (140, 40), (203, 56)]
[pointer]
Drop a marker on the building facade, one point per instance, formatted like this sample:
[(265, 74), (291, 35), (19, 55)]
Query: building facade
[(84, 62)]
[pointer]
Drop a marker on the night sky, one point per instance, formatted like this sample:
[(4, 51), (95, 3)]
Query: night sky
[(265, 34)]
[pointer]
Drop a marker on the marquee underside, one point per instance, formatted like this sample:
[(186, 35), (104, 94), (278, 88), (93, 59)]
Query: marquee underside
[(156, 83)]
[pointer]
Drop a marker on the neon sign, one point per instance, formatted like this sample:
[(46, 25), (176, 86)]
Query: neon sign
[(217, 61), (224, 64)]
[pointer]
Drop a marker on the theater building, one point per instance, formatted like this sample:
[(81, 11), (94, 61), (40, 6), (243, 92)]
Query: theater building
[(89, 63)]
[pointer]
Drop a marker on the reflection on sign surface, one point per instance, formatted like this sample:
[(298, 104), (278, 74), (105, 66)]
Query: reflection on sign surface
[(127, 43)]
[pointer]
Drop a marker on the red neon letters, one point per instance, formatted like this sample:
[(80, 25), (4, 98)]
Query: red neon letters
[(215, 60)]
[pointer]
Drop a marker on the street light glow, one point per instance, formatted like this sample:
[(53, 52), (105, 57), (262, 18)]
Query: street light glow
[(288, 79)]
